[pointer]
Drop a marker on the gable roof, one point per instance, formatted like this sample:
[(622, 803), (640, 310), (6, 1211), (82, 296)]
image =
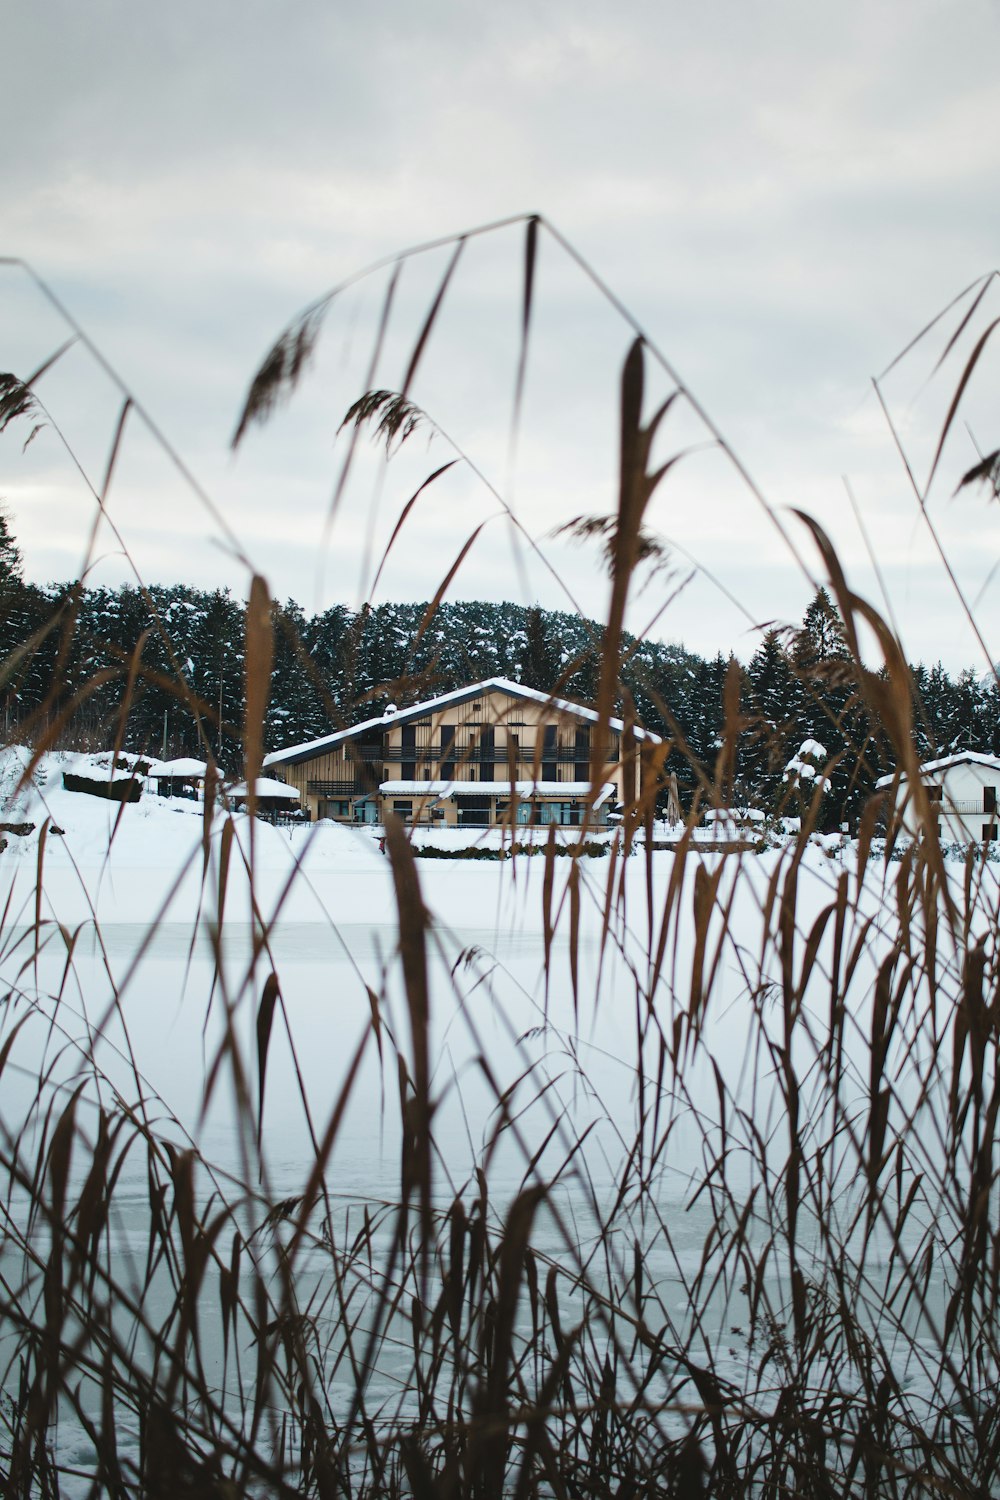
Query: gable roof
[(293, 754), (929, 767)]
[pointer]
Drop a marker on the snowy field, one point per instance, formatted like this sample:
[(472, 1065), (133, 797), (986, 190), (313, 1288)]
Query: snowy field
[(539, 992), (144, 861)]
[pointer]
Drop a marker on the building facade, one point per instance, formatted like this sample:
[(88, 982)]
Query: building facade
[(962, 790), (490, 754)]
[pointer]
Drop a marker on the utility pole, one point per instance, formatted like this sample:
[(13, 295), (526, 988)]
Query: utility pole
[(164, 755)]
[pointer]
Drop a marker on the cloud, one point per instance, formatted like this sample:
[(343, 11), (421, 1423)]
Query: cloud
[(781, 194)]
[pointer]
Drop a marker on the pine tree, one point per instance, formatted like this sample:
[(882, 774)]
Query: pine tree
[(773, 698), (821, 637), (540, 667), (11, 566)]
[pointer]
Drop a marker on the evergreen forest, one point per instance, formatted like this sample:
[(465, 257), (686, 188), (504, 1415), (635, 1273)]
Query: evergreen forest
[(161, 670)]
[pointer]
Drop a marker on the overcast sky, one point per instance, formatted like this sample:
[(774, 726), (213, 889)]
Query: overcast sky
[(782, 194)]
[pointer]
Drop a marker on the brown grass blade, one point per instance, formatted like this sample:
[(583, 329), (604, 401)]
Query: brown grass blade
[(265, 1020), (429, 321), (446, 582), (530, 254), (404, 516), (970, 366), (259, 658)]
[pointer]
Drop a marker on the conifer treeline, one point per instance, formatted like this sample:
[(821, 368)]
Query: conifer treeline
[(70, 653)]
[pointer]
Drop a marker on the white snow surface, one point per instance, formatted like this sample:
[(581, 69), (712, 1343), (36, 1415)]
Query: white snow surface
[(140, 863), (95, 768), (732, 816), (266, 786), (184, 766), (144, 862), (148, 862)]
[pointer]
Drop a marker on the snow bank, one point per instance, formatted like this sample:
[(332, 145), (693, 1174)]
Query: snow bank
[(146, 862)]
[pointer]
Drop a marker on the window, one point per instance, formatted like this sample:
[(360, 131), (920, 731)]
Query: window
[(989, 799), (408, 752), (549, 770), (989, 833), (473, 812), (935, 793), (447, 751), (335, 809), (403, 810), (567, 814)]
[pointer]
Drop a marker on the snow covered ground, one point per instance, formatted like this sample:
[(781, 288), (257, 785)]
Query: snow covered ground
[(146, 861), (520, 977)]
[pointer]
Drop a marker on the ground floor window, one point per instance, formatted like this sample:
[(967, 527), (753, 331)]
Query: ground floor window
[(403, 810), (523, 815), (335, 808), (989, 833), (473, 812), (567, 814)]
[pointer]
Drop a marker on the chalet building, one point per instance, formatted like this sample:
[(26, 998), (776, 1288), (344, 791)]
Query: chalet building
[(489, 754), (271, 796), (962, 790), (178, 778)]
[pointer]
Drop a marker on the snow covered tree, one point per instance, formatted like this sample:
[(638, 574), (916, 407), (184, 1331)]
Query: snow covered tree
[(11, 566), (771, 700), (821, 636), (805, 777), (540, 666)]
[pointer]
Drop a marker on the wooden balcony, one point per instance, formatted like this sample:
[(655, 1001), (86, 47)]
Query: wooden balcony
[(354, 787)]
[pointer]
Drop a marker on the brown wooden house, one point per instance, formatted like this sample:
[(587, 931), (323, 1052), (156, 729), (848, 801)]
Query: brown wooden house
[(488, 754)]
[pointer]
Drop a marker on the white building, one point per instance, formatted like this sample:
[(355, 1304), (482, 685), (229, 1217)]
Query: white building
[(962, 789)]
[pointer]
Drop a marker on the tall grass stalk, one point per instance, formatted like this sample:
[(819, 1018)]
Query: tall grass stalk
[(773, 1271)]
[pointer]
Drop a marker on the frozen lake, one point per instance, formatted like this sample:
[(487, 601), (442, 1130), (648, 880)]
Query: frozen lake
[(644, 1083)]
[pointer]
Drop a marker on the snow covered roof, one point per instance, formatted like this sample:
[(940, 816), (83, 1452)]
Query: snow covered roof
[(294, 753), (734, 815), (266, 787), (89, 768), (523, 789), (124, 760), (930, 767), (185, 766)]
